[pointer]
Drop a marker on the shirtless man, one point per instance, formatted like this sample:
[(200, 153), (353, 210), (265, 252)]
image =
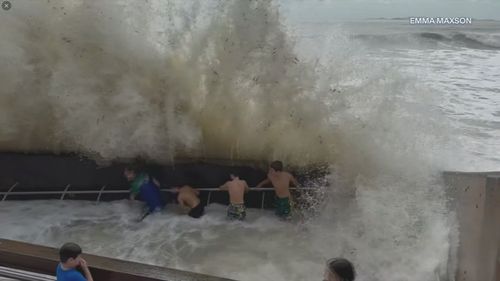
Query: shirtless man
[(188, 197), (236, 188), (281, 182)]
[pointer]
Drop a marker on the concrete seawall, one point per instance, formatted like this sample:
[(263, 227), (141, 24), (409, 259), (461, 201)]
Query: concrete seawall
[(60, 173), (475, 198)]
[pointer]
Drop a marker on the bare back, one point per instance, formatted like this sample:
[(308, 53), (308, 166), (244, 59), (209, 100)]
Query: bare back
[(188, 197), (236, 189), (281, 182)]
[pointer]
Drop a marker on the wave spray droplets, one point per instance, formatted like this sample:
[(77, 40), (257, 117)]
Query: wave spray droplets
[(115, 80)]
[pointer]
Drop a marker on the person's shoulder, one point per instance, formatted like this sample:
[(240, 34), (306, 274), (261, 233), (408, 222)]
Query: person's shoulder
[(58, 269), (69, 275)]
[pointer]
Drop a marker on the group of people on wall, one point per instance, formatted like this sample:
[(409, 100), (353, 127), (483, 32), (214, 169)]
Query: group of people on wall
[(147, 188)]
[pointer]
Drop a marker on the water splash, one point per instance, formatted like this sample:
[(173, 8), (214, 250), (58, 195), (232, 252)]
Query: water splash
[(167, 79), (121, 80)]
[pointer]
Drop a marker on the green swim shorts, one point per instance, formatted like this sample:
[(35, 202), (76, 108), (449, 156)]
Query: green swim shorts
[(283, 207)]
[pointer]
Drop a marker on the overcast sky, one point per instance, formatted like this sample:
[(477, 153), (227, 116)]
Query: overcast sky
[(325, 10)]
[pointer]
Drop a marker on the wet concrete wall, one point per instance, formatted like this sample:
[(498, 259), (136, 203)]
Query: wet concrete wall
[(48, 172), (475, 198)]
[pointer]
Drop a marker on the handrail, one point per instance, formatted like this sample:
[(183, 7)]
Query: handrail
[(127, 191), (101, 191)]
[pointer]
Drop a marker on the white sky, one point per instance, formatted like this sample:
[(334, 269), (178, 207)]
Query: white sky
[(331, 10)]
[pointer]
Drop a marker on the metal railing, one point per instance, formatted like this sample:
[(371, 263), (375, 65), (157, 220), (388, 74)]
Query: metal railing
[(102, 190)]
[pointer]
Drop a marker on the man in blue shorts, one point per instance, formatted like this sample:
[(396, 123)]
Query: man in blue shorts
[(146, 187)]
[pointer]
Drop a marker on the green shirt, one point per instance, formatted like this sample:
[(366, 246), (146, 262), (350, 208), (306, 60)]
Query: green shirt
[(135, 186)]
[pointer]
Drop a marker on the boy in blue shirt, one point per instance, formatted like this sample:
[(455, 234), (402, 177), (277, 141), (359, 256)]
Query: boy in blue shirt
[(146, 187), (70, 258)]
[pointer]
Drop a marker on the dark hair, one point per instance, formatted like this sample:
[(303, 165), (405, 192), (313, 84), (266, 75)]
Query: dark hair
[(343, 268), (69, 250), (138, 165), (136, 168), (235, 173), (277, 165)]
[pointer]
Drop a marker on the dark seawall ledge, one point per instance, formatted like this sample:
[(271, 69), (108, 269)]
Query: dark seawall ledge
[(70, 172), (45, 170)]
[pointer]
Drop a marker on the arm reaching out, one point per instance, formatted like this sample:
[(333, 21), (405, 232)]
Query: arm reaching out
[(223, 187), (247, 189), (181, 202), (294, 181)]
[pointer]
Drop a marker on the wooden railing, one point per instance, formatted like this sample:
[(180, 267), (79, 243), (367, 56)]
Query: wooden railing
[(29, 258)]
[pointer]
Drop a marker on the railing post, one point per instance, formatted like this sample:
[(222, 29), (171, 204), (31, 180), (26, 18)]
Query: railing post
[(64, 192), (208, 199), (10, 189), (263, 197), (100, 192)]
